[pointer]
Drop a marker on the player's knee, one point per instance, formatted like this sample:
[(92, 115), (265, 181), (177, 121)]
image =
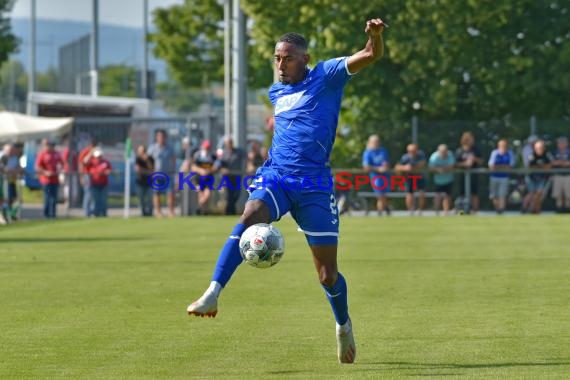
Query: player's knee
[(328, 277), (256, 211)]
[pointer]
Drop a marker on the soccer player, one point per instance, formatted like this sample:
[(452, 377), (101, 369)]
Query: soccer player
[(306, 107)]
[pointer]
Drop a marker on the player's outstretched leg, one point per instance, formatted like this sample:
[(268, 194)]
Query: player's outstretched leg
[(334, 285), (229, 259)]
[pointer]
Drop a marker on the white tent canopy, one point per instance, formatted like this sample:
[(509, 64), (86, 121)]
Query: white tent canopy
[(16, 127)]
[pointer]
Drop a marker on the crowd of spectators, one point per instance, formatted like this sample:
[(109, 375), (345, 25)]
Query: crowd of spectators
[(442, 170), (442, 167)]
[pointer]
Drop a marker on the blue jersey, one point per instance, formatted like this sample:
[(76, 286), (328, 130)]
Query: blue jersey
[(375, 158), (498, 158), (306, 118)]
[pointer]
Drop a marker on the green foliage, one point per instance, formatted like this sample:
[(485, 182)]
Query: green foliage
[(118, 80), (477, 60), (190, 39), (8, 41)]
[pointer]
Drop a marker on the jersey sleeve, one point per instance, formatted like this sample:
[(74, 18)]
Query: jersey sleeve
[(366, 161), (336, 71), (492, 158)]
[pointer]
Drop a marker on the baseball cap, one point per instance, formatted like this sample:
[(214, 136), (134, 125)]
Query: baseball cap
[(97, 153), (206, 144)]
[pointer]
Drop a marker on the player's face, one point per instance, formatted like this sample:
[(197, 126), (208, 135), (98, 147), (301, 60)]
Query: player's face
[(291, 62)]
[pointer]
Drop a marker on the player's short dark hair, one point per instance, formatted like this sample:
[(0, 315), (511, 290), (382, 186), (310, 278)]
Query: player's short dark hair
[(296, 39)]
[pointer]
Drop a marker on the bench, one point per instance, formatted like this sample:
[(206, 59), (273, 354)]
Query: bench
[(391, 194)]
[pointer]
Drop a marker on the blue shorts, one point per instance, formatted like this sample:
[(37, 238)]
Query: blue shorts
[(312, 203)]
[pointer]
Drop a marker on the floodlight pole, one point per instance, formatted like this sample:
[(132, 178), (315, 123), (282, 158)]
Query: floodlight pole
[(144, 74), (239, 93), (227, 67), (94, 50), (32, 79)]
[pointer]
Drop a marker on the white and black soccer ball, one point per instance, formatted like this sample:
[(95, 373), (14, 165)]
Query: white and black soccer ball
[(262, 245)]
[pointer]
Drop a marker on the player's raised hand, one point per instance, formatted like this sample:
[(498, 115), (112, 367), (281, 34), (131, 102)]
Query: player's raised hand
[(375, 27)]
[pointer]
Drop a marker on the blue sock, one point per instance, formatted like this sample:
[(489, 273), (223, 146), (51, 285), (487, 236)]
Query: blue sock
[(338, 298), (229, 258)]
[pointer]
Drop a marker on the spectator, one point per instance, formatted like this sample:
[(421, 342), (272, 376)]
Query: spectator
[(412, 163), (70, 168), (99, 170), (375, 161), (501, 158), (469, 157), (12, 172), (48, 165), (84, 177), (254, 158), (526, 152), (204, 164), (441, 162), (539, 159), (231, 166), (165, 162), (144, 167), (561, 182)]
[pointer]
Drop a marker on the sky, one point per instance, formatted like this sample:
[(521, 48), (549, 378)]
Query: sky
[(116, 12)]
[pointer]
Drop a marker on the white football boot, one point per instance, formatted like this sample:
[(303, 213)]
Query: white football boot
[(205, 306), (345, 342)]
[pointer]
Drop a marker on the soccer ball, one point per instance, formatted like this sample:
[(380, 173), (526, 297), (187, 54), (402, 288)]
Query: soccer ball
[(262, 245)]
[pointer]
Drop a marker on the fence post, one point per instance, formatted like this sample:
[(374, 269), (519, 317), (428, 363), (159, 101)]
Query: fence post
[(414, 129), (532, 125), (467, 199)]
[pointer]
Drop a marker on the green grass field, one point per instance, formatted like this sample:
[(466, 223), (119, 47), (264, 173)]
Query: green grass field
[(457, 297)]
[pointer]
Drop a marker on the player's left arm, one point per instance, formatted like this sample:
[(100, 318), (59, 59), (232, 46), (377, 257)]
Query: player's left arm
[(374, 49)]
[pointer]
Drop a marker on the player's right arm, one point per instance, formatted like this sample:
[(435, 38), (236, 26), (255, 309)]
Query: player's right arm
[(374, 49)]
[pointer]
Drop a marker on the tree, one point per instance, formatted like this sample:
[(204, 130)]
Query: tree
[(190, 38), (8, 42), (444, 59), (118, 80)]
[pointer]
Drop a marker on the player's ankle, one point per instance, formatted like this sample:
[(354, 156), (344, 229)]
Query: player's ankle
[(215, 288)]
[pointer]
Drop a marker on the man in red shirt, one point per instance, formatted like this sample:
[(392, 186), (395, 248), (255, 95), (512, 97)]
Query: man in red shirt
[(84, 177), (99, 170), (49, 164)]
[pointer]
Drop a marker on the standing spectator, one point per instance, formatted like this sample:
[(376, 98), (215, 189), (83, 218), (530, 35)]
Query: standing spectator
[(254, 158), (375, 161), (412, 163), (469, 157), (165, 162), (441, 162), (70, 168), (12, 172), (99, 170), (204, 164), (84, 177), (561, 182), (49, 164), (144, 167), (501, 158), (526, 152), (232, 166), (539, 159)]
